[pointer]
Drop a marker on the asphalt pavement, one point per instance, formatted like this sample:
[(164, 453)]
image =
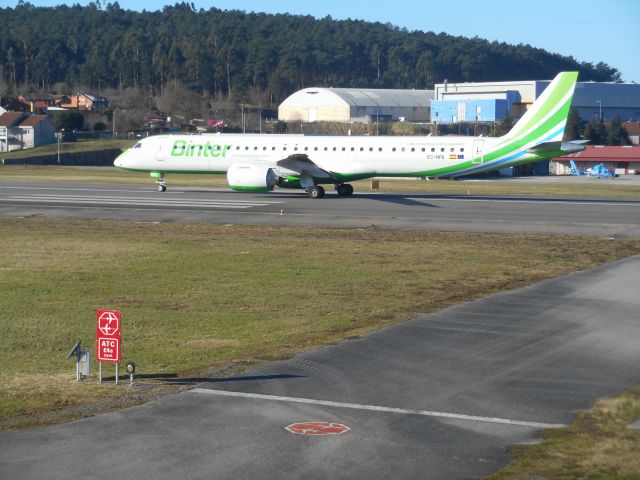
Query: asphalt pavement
[(524, 214), (438, 397)]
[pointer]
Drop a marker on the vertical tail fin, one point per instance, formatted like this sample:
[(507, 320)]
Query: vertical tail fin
[(574, 168), (545, 120)]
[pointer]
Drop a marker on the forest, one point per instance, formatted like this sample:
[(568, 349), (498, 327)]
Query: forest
[(235, 56)]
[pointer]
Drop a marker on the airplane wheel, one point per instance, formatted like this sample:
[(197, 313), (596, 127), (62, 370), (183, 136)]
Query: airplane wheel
[(343, 190), (350, 189), (315, 192), (162, 188)]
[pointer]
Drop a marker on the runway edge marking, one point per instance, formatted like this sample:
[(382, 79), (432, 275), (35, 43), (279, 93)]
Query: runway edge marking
[(375, 408)]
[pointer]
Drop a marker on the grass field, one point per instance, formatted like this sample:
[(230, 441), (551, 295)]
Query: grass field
[(69, 147), (200, 301), (202, 297), (619, 188), (597, 445)]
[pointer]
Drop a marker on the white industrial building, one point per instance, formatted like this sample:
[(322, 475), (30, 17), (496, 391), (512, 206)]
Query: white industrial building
[(356, 105), (493, 101)]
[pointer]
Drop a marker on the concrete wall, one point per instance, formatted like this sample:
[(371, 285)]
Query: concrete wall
[(99, 158)]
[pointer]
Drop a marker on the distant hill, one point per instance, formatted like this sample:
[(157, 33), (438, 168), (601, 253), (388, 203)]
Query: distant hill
[(229, 53)]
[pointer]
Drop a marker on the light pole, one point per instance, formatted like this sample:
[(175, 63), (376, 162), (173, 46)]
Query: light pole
[(59, 137), (377, 115)]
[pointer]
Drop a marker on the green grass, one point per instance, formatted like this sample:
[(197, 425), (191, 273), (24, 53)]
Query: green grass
[(196, 297), (69, 147), (597, 445), (585, 188)]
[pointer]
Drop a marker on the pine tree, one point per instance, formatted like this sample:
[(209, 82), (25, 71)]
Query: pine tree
[(616, 135), (575, 126)]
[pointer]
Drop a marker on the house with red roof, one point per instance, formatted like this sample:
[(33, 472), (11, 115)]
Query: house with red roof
[(623, 160)]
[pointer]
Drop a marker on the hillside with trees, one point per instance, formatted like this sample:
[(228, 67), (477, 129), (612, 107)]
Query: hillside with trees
[(239, 57)]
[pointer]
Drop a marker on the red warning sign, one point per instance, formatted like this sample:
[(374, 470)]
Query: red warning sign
[(108, 327), (317, 428)]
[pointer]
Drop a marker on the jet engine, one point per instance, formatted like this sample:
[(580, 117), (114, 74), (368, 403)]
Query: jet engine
[(252, 178)]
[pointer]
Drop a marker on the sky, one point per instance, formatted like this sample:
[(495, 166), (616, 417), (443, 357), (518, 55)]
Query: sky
[(588, 30)]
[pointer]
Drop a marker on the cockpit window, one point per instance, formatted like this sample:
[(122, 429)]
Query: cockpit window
[(138, 145)]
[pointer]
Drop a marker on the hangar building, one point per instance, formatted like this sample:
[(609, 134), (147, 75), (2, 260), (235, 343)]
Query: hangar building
[(491, 101), (356, 105), (622, 160)]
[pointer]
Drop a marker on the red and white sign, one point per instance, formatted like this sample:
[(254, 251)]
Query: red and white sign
[(108, 335), (317, 428)]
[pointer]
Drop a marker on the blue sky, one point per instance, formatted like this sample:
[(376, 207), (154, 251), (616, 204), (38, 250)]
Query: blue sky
[(588, 30)]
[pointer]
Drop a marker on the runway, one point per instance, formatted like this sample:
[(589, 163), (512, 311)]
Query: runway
[(438, 397), (526, 214)]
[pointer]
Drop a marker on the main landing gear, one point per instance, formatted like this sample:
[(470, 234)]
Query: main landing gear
[(343, 189), (315, 191)]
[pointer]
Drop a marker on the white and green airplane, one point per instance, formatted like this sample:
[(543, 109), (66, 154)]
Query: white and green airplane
[(259, 163)]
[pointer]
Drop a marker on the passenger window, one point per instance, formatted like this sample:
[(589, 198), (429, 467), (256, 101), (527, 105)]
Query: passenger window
[(442, 149), (255, 148), (393, 149), (273, 148), (315, 149), (264, 148), (433, 149), (326, 149), (295, 149), (246, 148), (284, 149), (413, 149), (238, 147), (379, 149), (306, 149), (423, 149), (353, 149), (462, 149), (371, 149), (403, 149), (344, 148), (362, 149), (334, 149), (452, 149)]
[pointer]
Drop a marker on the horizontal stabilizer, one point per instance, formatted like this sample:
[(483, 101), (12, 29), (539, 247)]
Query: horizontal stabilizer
[(564, 147)]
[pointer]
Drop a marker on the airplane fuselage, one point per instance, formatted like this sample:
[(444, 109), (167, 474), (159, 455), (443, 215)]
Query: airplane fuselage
[(347, 157)]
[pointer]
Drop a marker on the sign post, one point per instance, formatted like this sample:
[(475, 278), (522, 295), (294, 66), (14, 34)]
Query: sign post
[(108, 327)]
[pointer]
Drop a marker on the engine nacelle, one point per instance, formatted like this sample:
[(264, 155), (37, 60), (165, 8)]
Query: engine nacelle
[(251, 178)]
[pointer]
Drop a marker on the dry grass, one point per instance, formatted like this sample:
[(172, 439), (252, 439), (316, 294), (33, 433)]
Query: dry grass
[(597, 445)]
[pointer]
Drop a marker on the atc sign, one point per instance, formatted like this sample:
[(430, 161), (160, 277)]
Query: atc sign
[(108, 335)]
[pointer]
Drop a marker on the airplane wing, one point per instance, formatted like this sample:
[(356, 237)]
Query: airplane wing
[(303, 165)]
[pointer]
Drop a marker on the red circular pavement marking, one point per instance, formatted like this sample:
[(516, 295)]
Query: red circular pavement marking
[(317, 428)]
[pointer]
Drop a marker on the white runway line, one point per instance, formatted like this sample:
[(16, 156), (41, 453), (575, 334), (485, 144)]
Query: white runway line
[(374, 408), (139, 201), (620, 203)]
